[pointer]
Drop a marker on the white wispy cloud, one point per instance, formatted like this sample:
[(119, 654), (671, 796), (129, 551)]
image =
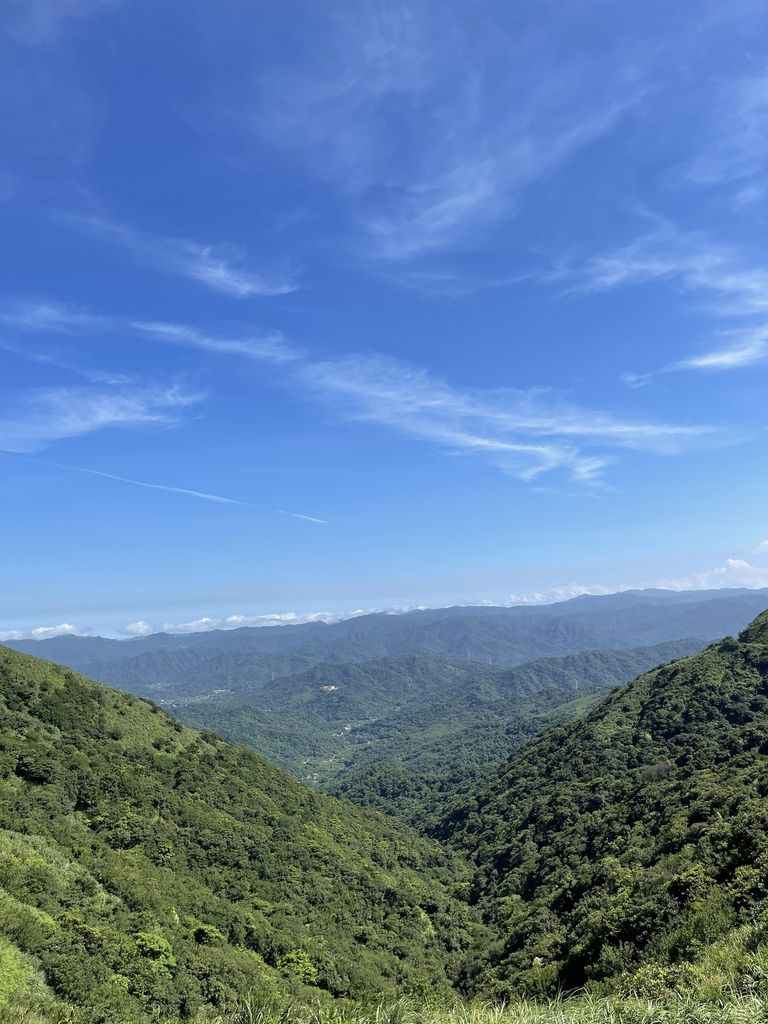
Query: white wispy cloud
[(44, 357), (42, 315), (525, 433), (207, 623), (470, 134), (445, 206), (222, 268), (48, 315), (40, 416), (47, 415), (730, 284), (442, 281), (37, 22), (743, 348), (735, 572), (139, 628), (268, 346), (738, 285), (565, 592)]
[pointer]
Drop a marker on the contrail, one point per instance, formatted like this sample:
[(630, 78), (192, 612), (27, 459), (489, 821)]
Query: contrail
[(218, 498), (153, 487), (299, 515)]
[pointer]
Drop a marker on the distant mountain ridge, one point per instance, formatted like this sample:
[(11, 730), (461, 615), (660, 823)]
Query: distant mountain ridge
[(175, 665)]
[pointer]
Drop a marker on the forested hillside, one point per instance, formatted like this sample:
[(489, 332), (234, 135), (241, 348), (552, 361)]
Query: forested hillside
[(148, 870), (397, 733), (151, 870), (630, 847)]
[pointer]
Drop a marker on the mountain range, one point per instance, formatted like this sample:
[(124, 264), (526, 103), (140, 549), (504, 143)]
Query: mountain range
[(397, 711), (617, 845), (169, 666), (382, 732)]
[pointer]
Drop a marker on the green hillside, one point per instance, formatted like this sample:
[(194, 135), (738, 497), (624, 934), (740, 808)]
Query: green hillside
[(432, 762), (173, 675), (149, 870), (408, 763), (630, 848), (399, 734)]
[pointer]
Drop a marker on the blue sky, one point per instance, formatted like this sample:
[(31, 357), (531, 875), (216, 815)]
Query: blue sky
[(317, 307)]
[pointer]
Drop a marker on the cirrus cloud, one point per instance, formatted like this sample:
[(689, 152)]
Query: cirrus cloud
[(40, 416), (730, 283), (522, 432), (222, 268)]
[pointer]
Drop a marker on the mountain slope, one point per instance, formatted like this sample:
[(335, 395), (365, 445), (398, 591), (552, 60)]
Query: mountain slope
[(152, 869), (634, 838)]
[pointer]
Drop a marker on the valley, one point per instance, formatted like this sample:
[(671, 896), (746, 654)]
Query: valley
[(555, 826)]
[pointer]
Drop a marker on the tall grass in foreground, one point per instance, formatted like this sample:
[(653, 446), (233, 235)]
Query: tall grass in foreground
[(583, 1010)]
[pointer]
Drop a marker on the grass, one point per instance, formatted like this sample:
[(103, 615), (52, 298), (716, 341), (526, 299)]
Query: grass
[(42, 1009), (23, 995), (17, 973), (581, 1010)]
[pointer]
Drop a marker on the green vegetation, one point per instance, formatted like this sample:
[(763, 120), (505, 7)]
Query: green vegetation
[(17, 972), (402, 735), (676, 1010), (152, 873), (629, 849), (151, 870), (733, 1009), (427, 769)]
